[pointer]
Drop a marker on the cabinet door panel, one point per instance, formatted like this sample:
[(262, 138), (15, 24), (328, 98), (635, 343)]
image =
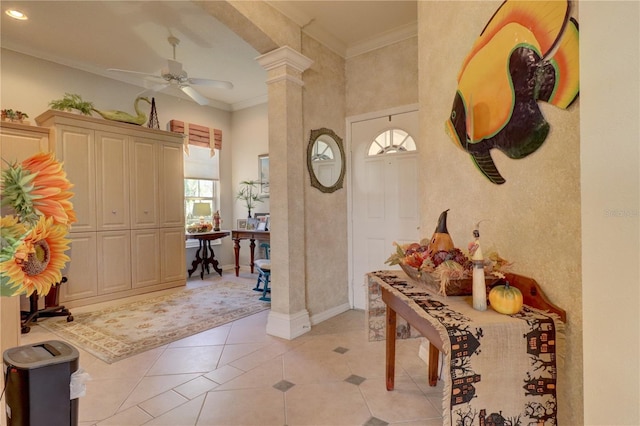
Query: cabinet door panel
[(18, 145), (144, 183), (112, 174), (171, 185), (145, 257), (172, 254), (75, 148), (114, 261), (81, 270)]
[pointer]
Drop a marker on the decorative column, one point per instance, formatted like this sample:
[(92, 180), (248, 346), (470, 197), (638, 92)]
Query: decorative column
[(289, 317)]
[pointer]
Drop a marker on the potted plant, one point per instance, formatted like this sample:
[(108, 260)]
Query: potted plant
[(11, 115), (249, 194), (70, 102)]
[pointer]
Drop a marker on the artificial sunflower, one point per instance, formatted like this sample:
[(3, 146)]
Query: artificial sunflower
[(12, 234), (39, 186), (38, 259)]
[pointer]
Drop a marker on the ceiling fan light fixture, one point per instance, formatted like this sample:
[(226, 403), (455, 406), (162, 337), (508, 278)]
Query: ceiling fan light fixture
[(17, 14)]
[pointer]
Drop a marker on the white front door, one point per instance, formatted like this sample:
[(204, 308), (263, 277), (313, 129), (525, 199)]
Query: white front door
[(384, 193)]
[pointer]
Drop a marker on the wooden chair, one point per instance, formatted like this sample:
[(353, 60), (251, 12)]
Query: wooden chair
[(263, 267)]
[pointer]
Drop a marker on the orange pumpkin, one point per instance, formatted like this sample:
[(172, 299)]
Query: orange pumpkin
[(506, 299)]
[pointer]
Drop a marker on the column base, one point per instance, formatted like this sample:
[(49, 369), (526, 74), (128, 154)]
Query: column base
[(288, 326)]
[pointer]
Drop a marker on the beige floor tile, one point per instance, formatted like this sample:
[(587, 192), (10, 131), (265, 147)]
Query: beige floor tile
[(184, 415), (321, 404), (162, 403), (214, 336), (243, 407), (224, 374), (104, 398), (231, 352), (197, 359), (405, 403), (150, 387), (266, 375), (315, 367), (134, 416), (229, 372), (195, 387), (135, 366), (258, 358)]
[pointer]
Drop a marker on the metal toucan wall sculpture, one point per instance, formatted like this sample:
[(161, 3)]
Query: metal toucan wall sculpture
[(528, 52)]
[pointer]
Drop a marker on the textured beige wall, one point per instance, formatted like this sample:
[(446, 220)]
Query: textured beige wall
[(534, 218), (383, 78), (325, 214)]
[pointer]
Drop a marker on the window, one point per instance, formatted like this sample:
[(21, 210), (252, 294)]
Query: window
[(390, 141), (200, 199)]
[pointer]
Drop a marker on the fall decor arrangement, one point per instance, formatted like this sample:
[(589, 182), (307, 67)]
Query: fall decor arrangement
[(36, 195), (442, 267)]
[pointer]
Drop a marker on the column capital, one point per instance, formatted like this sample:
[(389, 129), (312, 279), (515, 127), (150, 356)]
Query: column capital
[(284, 56)]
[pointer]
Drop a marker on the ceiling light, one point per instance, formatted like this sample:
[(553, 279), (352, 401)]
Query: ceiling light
[(16, 14)]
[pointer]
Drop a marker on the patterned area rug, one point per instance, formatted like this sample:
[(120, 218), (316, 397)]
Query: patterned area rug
[(115, 333)]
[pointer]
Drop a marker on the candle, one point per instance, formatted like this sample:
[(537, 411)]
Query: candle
[(479, 287)]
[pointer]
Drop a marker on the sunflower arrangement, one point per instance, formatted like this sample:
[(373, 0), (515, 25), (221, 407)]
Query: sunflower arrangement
[(36, 194)]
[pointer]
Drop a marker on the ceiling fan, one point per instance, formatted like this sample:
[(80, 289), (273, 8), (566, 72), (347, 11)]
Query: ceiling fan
[(174, 75)]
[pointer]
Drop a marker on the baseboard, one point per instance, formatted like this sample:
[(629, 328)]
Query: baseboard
[(330, 313), (288, 326)]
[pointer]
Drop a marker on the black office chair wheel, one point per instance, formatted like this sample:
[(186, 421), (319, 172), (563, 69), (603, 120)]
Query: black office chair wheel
[(25, 329), (70, 318)]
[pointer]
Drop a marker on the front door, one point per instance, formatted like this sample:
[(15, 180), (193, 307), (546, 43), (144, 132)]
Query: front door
[(384, 193)]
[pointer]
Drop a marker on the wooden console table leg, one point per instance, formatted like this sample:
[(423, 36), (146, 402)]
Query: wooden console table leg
[(433, 364), (252, 246), (236, 250), (391, 348)]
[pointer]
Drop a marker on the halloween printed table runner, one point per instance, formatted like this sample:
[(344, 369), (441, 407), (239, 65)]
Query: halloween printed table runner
[(498, 369)]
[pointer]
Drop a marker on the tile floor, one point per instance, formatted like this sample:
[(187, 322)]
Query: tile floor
[(236, 374)]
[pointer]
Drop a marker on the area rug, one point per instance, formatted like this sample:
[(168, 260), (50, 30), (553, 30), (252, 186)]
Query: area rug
[(118, 332)]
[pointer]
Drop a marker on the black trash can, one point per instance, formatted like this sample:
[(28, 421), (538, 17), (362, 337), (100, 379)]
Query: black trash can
[(38, 378)]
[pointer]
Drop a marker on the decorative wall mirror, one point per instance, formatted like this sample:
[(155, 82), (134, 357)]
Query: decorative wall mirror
[(326, 160)]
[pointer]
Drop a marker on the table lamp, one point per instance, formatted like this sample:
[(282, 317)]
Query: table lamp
[(201, 210)]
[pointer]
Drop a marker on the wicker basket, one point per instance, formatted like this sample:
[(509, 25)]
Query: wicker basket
[(460, 287)]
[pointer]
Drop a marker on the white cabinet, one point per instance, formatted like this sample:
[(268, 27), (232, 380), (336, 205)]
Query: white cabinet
[(128, 194)]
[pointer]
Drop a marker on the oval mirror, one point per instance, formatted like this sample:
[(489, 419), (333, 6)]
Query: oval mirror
[(325, 160)]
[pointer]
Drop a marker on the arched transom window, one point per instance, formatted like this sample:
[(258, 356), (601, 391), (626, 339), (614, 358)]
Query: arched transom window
[(321, 151), (390, 141)]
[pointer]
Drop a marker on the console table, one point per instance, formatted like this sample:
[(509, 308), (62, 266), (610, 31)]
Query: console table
[(208, 256), (494, 365), (241, 234)]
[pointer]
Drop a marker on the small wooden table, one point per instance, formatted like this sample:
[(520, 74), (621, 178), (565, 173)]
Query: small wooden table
[(243, 234), (208, 256), (476, 345), (531, 293)]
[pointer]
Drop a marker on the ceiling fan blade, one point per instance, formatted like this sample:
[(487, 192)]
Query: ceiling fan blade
[(211, 83), (153, 89), (193, 94), (135, 72)]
